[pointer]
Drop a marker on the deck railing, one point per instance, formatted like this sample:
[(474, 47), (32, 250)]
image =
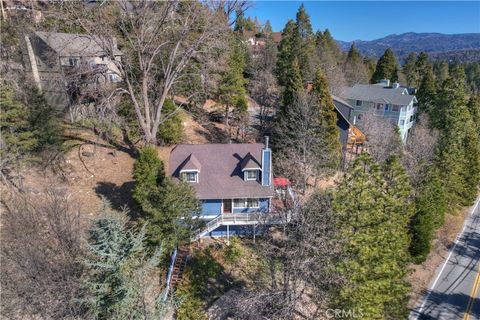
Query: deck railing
[(241, 219)]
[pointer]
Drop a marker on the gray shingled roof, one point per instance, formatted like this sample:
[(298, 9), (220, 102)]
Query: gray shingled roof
[(73, 44), (221, 173), (191, 163), (377, 93), (338, 102), (249, 162)]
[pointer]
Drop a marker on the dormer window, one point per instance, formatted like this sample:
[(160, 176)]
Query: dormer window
[(190, 169), (251, 175), (189, 176)]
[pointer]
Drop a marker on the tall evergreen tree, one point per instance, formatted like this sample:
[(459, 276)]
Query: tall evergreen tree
[(305, 44), (474, 108), (409, 69), (354, 68), (293, 86), (286, 52), (267, 28), (400, 208), (374, 226), (441, 71), (426, 94), (422, 65), (331, 44), (429, 215), (471, 145), (169, 208), (459, 146), (328, 132), (387, 67), (232, 90)]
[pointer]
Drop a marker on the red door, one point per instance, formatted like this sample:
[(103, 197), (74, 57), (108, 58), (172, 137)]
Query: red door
[(227, 205)]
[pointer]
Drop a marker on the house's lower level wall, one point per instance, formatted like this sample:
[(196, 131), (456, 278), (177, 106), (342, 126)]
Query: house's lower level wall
[(263, 207), (213, 207)]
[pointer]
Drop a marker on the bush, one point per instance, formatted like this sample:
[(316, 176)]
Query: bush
[(164, 202), (171, 131), (233, 251)]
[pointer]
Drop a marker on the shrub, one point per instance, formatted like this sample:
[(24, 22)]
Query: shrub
[(171, 131)]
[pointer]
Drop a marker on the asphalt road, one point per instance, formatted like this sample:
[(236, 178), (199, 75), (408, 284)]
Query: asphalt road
[(454, 292)]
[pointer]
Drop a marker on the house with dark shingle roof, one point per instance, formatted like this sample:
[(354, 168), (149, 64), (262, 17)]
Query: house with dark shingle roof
[(53, 58), (233, 182), (393, 102)]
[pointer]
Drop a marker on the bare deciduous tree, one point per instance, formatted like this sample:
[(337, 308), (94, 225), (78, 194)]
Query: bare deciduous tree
[(41, 246), (264, 90), (302, 257), (420, 149), (160, 40), (382, 137)]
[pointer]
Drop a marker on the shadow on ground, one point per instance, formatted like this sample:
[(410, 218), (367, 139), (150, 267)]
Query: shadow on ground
[(120, 197)]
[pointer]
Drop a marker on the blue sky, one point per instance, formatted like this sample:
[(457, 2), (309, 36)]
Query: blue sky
[(359, 20)]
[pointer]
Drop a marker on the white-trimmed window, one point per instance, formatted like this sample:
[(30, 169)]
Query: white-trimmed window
[(253, 203), (246, 203), (396, 108), (251, 175), (358, 103), (113, 77), (189, 176)]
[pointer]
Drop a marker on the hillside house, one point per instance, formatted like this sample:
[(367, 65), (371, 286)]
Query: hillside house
[(233, 182), (393, 102), (59, 63)]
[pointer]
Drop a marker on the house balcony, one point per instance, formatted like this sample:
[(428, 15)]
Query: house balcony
[(242, 219)]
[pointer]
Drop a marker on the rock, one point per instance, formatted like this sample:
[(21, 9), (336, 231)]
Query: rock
[(87, 154)]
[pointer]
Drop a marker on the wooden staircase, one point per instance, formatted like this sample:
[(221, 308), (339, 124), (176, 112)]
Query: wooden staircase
[(179, 266)]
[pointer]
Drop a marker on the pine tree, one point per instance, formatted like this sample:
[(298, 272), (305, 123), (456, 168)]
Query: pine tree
[(163, 202), (474, 108), (422, 65), (409, 69), (305, 44), (387, 68), (17, 136), (426, 94), (328, 132), (441, 71), (373, 224), (293, 86), (286, 52), (119, 272), (457, 164), (171, 130), (429, 215), (331, 44), (471, 145), (148, 173), (232, 89), (354, 68), (267, 28), (400, 208)]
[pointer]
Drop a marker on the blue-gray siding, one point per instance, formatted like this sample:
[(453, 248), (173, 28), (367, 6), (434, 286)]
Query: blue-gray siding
[(213, 207), (266, 167)]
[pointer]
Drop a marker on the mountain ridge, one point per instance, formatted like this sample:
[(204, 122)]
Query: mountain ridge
[(430, 42)]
